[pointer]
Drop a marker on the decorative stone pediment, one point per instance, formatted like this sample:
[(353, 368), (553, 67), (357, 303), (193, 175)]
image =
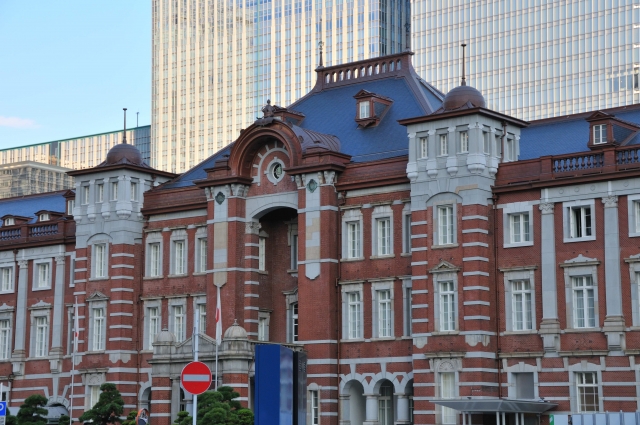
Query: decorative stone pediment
[(6, 308), (97, 296), (445, 267), (580, 260), (40, 304)]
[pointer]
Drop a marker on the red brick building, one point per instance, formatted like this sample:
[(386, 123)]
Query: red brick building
[(426, 252)]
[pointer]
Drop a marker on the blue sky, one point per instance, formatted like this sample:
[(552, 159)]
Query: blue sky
[(67, 68)]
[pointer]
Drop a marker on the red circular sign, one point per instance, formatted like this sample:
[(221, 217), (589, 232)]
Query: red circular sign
[(196, 378)]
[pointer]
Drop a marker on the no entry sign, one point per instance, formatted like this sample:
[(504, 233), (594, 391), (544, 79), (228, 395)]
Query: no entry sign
[(196, 378)]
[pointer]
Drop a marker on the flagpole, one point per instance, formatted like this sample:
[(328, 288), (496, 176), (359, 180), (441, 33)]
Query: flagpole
[(218, 332), (195, 338), (73, 356)]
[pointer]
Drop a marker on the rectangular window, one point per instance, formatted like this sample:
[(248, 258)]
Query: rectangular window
[(447, 307), (587, 390), (71, 204), (294, 252), (154, 324), (43, 275), (178, 247), (42, 335), (364, 109), (580, 218), (522, 308), (636, 209), (464, 141), (114, 191), (584, 311), (294, 322), (178, 322), (262, 329), (44, 217), (5, 339), (599, 134), (354, 308), (406, 245), (201, 311), (384, 313), (520, 227), (384, 236), (202, 242), (98, 329), (353, 239), (486, 142), (10, 221), (315, 407), (444, 147), (100, 193), (100, 260), (510, 153), (525, 388), (408, 314), (134, 191), (261, 254), (445, 224), (6, 274), (154, 258), (94, 395), (85, 197), (448, 390), (423, 147)]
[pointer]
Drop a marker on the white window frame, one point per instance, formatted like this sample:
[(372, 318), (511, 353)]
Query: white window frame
[(134, 190), (364, 109), (149, 335), (407, 307), (71, 204), (44, 217), (443, 144), (314, 406), (438, 279), (200, 312), (40, 311), (153, 239), (574, 268), (99, 192), (100, 260), (381, 214), (424, 147), (179, 236), (202, 247), (7, 279), (262, 255), (294, 325), (292, 242), (634, 278), (178, 305), (6, 334), (291, 298), (580, 385), (38, 285), (264, 318), (567, 208), (464, 141), (633, 206), (85, 194), (508, 212), (93, 395), (348, 327), (511, 276), (486, 142), (352, 216), (437, 239), (583, 286), (9, 221), (97, 336), (377, 288), (406, 229), (450, 390), (113, 190), (599, 134), (511, 149)]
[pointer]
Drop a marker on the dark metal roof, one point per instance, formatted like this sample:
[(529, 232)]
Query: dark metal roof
[(502, 405)]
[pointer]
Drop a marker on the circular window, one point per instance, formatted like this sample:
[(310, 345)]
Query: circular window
[(277, 171)]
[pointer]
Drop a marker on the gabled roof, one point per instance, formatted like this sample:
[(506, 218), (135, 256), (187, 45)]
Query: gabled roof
[(568, 134), (198, 172), (27, 206)]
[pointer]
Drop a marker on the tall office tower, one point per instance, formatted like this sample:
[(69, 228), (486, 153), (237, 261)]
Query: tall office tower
[(216, 63), (533, 59)]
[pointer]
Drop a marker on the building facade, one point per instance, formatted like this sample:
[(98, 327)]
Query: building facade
[(535, 59), (29, 177), (215, 65), (438, 261), (78, 152)]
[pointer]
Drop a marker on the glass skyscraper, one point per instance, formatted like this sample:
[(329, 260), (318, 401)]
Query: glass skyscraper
[(215, 63), (532, 59)]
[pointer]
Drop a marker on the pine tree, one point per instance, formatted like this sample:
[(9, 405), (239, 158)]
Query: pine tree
[(64, 420), (32, 412), (131, 418), (183, 419), (108, 408), (220, 407)]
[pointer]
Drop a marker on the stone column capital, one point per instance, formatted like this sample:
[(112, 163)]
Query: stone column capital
[(546, 207), (610, 201), (60, 260), (23, 263)]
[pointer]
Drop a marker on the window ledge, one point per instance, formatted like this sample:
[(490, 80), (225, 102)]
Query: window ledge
[(405, 254), (517, 244), (348, 260), (581, 330), (383, 338), (93, 279), (352, 340), (451, 245), (171, 276), (7, 292), (152, 277), (527, 332), (292, 271), (634, 235), (444, 333), (146, 351), (381, 257), (587, 238), (41, 289), (95, 352), (263, 272), (199, 274)]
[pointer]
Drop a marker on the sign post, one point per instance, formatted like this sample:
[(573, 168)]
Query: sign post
[(196, 376), (3, 412)]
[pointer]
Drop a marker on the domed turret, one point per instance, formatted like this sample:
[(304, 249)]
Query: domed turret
[(463, 94), (235, 331), (124, 153)]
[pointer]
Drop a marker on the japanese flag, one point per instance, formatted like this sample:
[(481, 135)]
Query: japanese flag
[(218, 321)]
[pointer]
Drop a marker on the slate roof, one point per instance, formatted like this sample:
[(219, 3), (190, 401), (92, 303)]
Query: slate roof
[(27, 206), (569, 134), (198, 172)]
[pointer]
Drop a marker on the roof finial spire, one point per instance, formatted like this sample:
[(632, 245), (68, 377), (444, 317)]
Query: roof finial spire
[(464, 81), (124, 135), (320, 44)]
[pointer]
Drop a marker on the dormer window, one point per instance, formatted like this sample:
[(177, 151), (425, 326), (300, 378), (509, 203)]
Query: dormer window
[(364, 110), (599, 134), (43, 217), (9, 221)]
